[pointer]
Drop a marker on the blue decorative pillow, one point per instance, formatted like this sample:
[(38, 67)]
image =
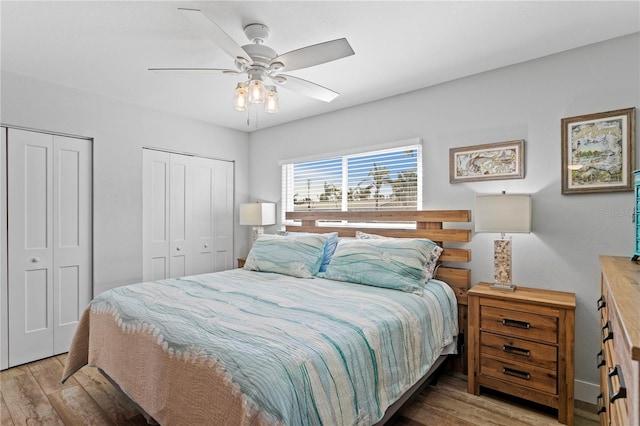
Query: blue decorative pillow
[(394, 263), (298, 255), (329, 246), (431, 266)]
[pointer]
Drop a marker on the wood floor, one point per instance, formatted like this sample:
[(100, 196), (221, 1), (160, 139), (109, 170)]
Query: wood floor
[(32, 395)]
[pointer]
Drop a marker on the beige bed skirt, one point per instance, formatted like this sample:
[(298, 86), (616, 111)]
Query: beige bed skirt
[(172, 390)]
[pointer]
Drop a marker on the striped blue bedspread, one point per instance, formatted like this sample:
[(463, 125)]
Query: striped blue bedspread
[(301, 351)]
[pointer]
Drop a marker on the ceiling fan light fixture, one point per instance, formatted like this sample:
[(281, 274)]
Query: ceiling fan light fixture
[(272, 103), (241, 98), (256, 91)]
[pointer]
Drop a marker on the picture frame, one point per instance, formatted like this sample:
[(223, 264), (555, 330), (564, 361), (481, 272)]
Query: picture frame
[(598, 152), (491, 161)]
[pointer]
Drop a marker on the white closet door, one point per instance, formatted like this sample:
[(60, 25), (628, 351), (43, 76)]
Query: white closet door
[(155, 222), (187, 215), (180, 211), (4, 306), (72, 288), (223, 215), (30, 257), (49, 240), (203, 216)]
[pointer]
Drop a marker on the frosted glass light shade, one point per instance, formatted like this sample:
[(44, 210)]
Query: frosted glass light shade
[(503, 213), (258, 214), (256, 92), (271, 103), (241, 99)]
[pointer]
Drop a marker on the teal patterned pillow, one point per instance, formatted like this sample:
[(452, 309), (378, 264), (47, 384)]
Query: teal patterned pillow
[(431, 265), (395, 263), (298, 255), (329, 246)]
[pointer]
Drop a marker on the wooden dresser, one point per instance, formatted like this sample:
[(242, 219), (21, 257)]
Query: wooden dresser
[(522, 343), (619, 357)]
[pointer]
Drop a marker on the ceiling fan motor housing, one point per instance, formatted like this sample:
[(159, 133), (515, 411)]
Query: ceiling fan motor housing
[(260, 54)]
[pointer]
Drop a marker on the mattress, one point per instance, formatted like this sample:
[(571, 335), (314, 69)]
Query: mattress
[(242, 347)]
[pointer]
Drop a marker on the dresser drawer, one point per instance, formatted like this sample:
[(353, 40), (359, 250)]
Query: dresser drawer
[(520, 324), (518, 350), (529, 376)]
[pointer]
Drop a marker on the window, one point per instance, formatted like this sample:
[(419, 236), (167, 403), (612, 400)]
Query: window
[(377, 180)]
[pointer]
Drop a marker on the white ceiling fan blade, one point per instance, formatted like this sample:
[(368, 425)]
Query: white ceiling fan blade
[(210, 29), (305, 88), (196, 70), (314, 55)]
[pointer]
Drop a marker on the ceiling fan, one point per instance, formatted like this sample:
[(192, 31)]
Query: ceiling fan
[(263, 65)]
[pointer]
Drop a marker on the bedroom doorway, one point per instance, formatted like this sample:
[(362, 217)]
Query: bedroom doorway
[(187, 214)]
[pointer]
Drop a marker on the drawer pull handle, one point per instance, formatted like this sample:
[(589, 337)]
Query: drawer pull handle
[(516, 373), (602, 408), (515, 323), (609, 333), (600, 359), (601, 302), (516, 350), (622, 391)]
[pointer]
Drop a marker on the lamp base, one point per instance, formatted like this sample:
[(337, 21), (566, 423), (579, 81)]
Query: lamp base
[(503, 287), (502, 260), (256, 232)]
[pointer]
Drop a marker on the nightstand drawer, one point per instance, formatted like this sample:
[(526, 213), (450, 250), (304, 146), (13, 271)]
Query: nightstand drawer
[(529, 376), (518, 350), (520, 324)]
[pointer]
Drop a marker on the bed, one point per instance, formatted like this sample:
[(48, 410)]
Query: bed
[(260, 346)]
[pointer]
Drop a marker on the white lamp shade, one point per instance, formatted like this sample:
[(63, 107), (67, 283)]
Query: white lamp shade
[(258, 214), (503, 213)]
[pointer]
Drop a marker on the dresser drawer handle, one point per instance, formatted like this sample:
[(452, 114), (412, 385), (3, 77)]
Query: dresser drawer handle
[(601, 302), (600, 359), (609, 333), (602, 408), (515, 323), (516, 350), (516, 373), (622, 391)]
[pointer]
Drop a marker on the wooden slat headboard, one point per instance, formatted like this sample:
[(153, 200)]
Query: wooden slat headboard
[(428, 224)]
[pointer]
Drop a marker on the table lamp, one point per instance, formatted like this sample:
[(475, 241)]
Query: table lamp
[(257, 215), (503, 213)]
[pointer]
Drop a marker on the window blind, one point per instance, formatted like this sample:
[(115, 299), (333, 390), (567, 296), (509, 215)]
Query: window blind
[(388, 179)]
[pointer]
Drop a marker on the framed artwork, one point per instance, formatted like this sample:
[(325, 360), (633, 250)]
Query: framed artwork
[(598, 152), (492, 161)]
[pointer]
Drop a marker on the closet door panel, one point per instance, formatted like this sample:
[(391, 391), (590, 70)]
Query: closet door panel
[(4, 306), (72, 236), (30, 238), (155, 223), (180, 196), (223, 215), (203, 216)]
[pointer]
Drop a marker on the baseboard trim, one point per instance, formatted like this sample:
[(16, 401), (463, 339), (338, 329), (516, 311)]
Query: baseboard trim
[(586, 392)]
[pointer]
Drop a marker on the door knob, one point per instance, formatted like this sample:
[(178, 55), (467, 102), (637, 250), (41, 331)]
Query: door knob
[(206, 245), (35, 259), (178, 248)]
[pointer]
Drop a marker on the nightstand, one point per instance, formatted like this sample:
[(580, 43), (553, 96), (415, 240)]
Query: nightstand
[(522, 343), (241, 261)]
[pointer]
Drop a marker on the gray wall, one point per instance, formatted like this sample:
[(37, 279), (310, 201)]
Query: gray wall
[(525, 101), (120, 131)]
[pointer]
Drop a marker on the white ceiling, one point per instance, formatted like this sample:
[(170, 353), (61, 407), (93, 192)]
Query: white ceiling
[(105, 47)]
